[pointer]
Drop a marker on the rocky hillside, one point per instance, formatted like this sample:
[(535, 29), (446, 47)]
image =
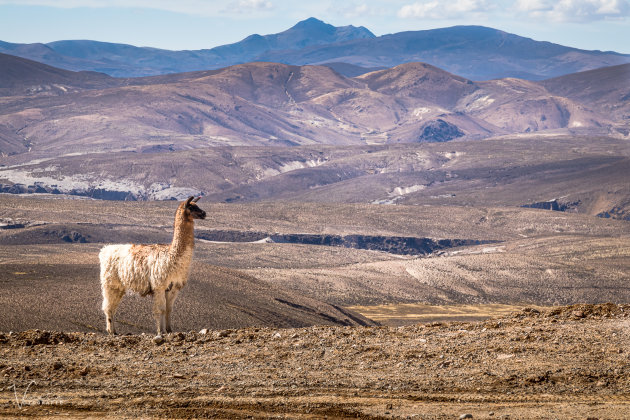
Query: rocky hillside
[(606, 90), (52, 112)]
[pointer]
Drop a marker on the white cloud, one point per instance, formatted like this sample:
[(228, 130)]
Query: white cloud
[(545, 10), (533, 5), (355, 10), (539, 10), (192, 7), (418, 10), (249, 6), (575, 10), (148, 4), (444, 10)]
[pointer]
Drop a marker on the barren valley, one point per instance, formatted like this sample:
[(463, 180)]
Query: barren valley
[(291, 329), (277, 282)]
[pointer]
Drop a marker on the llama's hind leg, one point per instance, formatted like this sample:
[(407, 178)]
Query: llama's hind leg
[(111, 300), (171, 295), (159, 310)]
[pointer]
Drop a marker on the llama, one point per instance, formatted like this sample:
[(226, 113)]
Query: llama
[(160, 270)]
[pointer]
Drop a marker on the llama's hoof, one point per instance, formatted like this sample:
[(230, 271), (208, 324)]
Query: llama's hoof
[(158, 339)]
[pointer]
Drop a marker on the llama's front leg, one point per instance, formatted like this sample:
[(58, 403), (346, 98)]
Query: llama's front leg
[(111, 300), (170, 298), (159, 310)]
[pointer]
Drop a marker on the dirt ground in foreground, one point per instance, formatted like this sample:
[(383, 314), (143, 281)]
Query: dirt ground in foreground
[(568, 362)]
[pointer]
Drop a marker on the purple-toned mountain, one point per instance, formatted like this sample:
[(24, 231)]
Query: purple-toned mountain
[(19, 74), (474, 52), (606, 90), (422, 81), (123, 60)]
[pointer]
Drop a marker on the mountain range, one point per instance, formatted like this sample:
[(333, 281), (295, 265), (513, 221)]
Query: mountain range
[(410, 134), (52, 112), (473, 52)]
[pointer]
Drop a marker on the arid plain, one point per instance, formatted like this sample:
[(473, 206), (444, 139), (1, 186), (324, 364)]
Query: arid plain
[(276, 321)]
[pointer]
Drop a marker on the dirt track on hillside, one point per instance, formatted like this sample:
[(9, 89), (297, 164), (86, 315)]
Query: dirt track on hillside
[(570, 362)]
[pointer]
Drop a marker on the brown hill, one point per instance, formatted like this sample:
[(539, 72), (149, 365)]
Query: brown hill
[(49, 269), (215, 297), (522, 106), (271, 104), (606, 90), (420, 80), (11, 143), (25, 77)]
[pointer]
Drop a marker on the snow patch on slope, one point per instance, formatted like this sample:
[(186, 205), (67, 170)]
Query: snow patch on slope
[(475, 102), (420, 111), (399, 193), (291, 166)]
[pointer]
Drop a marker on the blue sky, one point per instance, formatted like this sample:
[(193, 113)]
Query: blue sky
[(196, 24)]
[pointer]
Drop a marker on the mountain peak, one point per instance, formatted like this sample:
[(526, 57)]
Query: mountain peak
[(342, 33), (311, 23), (312, 27)]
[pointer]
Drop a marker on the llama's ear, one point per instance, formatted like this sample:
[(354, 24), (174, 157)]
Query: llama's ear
[(189, 200), (196, 199)]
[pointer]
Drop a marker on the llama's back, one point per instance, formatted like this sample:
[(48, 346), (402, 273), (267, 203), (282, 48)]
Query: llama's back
[(139, 268)]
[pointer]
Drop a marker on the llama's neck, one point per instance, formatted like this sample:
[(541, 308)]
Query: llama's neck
[(183, 234)]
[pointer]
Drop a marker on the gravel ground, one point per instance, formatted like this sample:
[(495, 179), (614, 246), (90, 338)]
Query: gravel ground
[(566, 362)]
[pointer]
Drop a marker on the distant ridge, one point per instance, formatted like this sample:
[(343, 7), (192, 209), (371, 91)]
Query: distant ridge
[(474, 52), (17, 72), (122, 60)]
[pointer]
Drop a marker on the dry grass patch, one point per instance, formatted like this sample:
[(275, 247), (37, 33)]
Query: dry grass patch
[(413, 313)]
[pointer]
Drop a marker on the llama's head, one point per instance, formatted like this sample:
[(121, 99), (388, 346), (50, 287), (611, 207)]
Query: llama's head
[(191, 208)]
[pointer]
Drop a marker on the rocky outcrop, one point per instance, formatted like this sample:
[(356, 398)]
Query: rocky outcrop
[(554, 205), (439, 131), (393, 244), (98, 193), (230, 235), (616, 212)]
